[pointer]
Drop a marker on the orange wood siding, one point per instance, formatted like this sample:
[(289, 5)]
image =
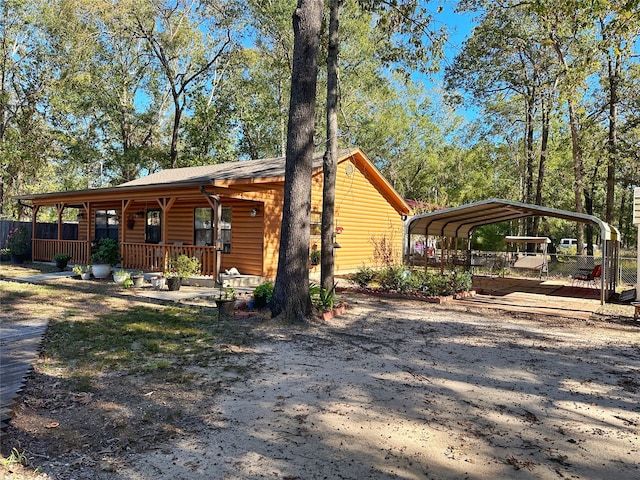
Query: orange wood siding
[(263, 230), (246, 237), (246, 231), (363, 213), (363, 210)]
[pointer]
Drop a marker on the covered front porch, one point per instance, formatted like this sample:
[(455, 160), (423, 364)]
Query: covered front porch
[(151, 227), (135, 256)]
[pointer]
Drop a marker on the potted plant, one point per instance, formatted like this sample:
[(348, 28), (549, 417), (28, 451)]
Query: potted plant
[(120, 276), (83, 270), (262, 294), (105, 255), (226, 302), (314, 257), (181, 267), (17, 243), (61, 259)]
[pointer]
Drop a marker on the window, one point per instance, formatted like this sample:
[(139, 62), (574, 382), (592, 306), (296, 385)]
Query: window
[(153, 229), (315, 222), (204, 228), (107, 224)]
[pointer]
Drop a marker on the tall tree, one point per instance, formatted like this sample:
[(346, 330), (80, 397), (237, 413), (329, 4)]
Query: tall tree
[(291, 300), (26, 74), (507, 57), (187, 47), (619, 24), (330, 160), (566, 31)]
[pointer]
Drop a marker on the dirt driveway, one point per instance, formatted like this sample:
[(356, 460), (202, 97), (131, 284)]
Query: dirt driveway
[(403, 389), (397, 389)]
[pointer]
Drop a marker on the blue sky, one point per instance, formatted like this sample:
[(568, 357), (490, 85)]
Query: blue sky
[(459, 26)]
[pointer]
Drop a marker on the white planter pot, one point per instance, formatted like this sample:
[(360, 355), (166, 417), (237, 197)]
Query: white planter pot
[(101, 270), (85, 276), (120, 278)]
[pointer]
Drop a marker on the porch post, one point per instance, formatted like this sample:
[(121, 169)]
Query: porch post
[(636, 222), (87, 211), (216, 206), (218, 239), (34, 229), (165, 205), (60, 209)]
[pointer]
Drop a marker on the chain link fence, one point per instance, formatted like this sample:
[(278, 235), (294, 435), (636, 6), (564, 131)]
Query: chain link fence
[(560, 266)]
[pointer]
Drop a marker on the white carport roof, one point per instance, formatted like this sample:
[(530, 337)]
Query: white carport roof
[(459, 222)]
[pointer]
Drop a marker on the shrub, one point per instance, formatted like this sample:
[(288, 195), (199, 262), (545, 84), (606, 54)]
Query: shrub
[(61, 257), (363, 276), (106, 252), (264, 290), (17, 240), (395, 278), (183, 266), (438, 284), (323, 299), (422, 282)]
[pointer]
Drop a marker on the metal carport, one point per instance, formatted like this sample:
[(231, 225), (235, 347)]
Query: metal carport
[(460, 222)]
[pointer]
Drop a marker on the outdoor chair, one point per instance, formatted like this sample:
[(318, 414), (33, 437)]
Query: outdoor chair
[(588, 278)]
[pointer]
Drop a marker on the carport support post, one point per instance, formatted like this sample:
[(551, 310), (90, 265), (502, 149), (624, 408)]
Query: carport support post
[(636, 222)]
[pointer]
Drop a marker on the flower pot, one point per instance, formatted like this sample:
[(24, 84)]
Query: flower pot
[(259, 301), (174, 283), (17, 258), (61, 265), (226, 308), (120, 278), (101, 270), (158, 282), (138, 280), (85, 276)]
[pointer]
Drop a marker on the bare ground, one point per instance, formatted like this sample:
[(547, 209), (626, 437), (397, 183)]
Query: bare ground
[(392, 389)]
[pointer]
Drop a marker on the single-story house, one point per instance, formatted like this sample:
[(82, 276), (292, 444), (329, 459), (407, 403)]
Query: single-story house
[(228, 215)]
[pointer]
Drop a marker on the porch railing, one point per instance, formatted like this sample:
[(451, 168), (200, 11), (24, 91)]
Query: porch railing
[(154, 258), (45, 249), (135, 256)]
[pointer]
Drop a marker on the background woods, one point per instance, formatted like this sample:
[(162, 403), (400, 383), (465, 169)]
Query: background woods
[(538, 102)]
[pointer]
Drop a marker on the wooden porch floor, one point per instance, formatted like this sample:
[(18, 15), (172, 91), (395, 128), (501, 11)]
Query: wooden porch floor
[(534, 296)]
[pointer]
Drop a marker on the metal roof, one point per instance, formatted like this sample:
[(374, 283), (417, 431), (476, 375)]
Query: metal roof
[(461, 221)]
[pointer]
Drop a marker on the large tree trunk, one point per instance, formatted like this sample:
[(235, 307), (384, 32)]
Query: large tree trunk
[(291, 301), (175, 132), (576, 149), (544, 145), (331, 154), (578, 181), (529, 152)]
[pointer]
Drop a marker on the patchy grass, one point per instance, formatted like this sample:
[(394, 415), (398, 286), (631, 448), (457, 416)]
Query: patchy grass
[(132, 340), (139, 370)]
